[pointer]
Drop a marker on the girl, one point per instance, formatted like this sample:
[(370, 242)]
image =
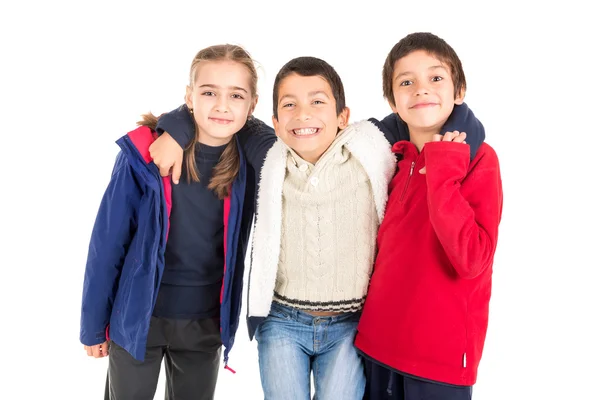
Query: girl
[(165, 265)]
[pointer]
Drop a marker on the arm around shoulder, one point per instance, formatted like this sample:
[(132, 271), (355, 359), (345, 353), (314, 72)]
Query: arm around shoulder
[(393, 128), (256, 139), (178, 123)]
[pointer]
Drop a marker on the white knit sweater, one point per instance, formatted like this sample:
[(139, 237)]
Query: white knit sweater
[(316, 226)]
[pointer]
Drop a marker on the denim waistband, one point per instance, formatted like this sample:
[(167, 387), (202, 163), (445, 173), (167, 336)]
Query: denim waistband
[(308, 319)]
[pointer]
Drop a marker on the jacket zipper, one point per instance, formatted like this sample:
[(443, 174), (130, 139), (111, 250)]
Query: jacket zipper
[(412, 167)]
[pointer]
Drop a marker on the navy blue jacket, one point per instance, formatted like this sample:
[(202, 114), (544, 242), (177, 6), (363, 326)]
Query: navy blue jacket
[(126, 253)]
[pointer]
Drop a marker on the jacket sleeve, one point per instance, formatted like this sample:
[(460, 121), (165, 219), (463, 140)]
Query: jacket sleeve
[(393, 128), (114, 227), (180, 125), (464, 209), (256, 139), (462, 119)]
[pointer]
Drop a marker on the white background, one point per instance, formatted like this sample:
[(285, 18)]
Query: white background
[(75, 76)]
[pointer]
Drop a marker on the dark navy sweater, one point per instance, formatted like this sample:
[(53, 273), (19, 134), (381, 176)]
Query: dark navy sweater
[(191, 283)]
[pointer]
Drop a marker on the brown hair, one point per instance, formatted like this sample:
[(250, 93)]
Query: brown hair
[(311, 66), (228, 167), (433, 45)]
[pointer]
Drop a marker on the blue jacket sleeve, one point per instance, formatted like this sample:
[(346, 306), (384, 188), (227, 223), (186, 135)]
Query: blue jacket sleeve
[(462, 119), (114, 227), (256, 137)]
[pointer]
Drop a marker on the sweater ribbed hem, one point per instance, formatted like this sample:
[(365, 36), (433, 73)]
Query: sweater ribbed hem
[(350, 305)]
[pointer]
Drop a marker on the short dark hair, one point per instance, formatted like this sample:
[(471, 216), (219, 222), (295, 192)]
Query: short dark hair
[(311, 66), (433, 45)]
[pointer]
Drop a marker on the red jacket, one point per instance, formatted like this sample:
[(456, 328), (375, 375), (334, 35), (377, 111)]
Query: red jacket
[(426, 312)]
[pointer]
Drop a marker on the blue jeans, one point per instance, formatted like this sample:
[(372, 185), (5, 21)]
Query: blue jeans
[(292, 343)]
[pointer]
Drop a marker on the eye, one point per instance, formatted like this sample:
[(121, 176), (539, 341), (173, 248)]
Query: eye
[(287, 105), (208, 93), (437, 78), (237, 96), (405, 83), (318, 102)]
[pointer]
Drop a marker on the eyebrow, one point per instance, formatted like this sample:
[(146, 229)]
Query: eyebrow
[(430, 68), (310, 94), (208, 85)]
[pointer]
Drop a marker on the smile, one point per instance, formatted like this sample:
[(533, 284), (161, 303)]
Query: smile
[(424, 105), (221, 121), (306, 132)]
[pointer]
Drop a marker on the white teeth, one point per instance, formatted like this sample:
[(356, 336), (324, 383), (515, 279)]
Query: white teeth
[(305, 131)]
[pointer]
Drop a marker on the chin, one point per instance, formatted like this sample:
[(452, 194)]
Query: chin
[(426, 125), (302, 149)]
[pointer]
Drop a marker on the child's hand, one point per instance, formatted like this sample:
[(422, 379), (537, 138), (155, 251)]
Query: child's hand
[(97, 351), (168, 156), (456, 136)]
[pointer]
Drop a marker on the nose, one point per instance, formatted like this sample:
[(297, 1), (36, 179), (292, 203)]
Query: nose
[(421, 88), (302, 113), (222, 104)]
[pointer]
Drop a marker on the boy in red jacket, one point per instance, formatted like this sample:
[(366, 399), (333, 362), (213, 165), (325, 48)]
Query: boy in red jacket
[(424, 322)]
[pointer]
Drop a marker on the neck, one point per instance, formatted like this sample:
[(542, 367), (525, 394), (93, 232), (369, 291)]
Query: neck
[(311, 157), (211, 140), (419, 136)]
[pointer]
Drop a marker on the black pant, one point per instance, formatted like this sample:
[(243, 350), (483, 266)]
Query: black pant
[(384, 384), (191, 350)]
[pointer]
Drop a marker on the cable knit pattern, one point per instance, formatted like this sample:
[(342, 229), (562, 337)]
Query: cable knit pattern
[(316, 226)]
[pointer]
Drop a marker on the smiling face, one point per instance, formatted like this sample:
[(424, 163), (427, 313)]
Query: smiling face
[(423, 91), (221, 99), (307, 120)]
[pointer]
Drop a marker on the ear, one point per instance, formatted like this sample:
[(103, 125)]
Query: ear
[(393, 107), (252, 106), (343, 118), (188, 97), (460, 97), (275, 125)]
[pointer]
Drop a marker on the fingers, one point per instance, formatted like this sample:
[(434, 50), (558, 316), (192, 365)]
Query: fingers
[(176, 171), (164, 169), (164, 166), (104, 349), (96, 351), (168, 156), (450, 136), (91, 350), (455, 136)]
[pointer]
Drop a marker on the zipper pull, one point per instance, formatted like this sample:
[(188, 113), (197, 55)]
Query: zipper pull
[(464, 360), (412, 167), (228, 368)]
